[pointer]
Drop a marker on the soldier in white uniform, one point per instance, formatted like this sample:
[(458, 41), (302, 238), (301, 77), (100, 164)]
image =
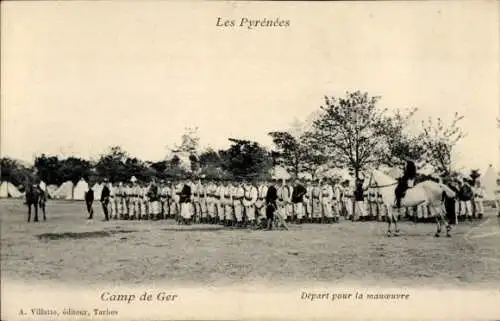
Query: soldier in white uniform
[(260, 204), (228, 203), (250, 199), (337, 199), (317, 212), (238, 195), (326, 201), (119, 199), (348, 198), (478, 199), (129, 204), (175, 208), (220, 201)]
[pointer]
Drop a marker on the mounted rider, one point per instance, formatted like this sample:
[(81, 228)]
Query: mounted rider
[(406, 181)]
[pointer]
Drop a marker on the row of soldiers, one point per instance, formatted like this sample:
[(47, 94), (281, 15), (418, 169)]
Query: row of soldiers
[(244, 202)]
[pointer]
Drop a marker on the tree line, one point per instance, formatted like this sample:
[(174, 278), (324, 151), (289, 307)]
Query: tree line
[(352, 132)]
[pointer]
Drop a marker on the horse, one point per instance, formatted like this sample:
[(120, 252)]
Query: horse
[(424, 193), (35, 197)]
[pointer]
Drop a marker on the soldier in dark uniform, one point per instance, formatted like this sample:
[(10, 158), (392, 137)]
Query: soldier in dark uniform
[(185, 202), (271, 206), (89, 199), (409, 175), (298, 202), (105, 200)]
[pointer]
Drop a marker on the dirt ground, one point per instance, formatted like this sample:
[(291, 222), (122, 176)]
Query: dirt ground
[(67, 248)]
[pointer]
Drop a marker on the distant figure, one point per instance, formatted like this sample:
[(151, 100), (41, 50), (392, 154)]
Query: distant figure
[(89, 199), (359, 198), (271, 206), (185, 203), (406, 181), (449, 202), (105, 200)]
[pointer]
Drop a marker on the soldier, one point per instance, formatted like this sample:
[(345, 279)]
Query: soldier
[(260, 204), (185, 203), (105, 199), (372, 202), (347, 198), (203, 201), (195, 199), (89, 199), (465, 197), (250, 199), (359, 198), (287, 198), (478, 199), (308, 201), (175, 207), (153, 196), (119, 200), (134, 201), (144, 201), (271, 204), (112, 201), (326, 201), (210, 201), (299, 191), (337, 199), (219, 201), (228, 203), (238, 195), (316, 202)]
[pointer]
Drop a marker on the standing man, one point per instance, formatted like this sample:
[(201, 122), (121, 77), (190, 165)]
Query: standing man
[(228, 203), (478, 199), (406, 181), (105, 199), (89, 199), (316, 202), (238, 194), (112, 201), (249, 201), (153, 195), (326, 202), (308, 201), (271, 206), (359, 198), (337, 199), (260, 204), (185, 203), (347, 198), (299, 191)]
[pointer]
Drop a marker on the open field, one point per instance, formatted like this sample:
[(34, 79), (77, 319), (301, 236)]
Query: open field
[(67, 248)]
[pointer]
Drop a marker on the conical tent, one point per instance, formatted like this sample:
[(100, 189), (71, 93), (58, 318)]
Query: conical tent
[(489, 182), (7, 189), (65, 191), (51, 190), (80, 189)]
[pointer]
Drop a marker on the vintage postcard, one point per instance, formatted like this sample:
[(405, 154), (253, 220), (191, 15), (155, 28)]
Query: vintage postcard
[(199, 160)]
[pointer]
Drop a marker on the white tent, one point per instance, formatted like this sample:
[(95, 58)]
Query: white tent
[(7, 189), (65, 191), (51, 190), (97, 188), (489, 182), (80, 189), (279, 172)]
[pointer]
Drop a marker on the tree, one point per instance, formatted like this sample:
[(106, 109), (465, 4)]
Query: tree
[(73, 169), (246, 159), (294, 153), (345, 131), (439, 140), (112, 165), (49, 169), (399, 144), (14, 171), (210, 158)]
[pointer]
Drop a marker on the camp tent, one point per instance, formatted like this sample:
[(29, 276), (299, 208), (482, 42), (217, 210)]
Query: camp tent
[(65, 191), (7, 189), (80, 189), (489, 182), (51, 190)]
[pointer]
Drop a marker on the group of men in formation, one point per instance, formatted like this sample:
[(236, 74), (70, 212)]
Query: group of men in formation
[(256, 203)]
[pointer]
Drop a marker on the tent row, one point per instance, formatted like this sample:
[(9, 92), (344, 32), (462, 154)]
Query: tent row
[(69, 191)]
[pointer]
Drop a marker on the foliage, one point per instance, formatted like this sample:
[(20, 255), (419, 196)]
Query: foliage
[(246, 159), (439, 140), (345, 132), (14, 171), (399, 144)]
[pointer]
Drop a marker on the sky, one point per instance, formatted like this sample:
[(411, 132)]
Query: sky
[(78, 77)]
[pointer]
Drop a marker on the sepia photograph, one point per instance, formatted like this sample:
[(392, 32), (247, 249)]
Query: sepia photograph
[(165, 160)]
